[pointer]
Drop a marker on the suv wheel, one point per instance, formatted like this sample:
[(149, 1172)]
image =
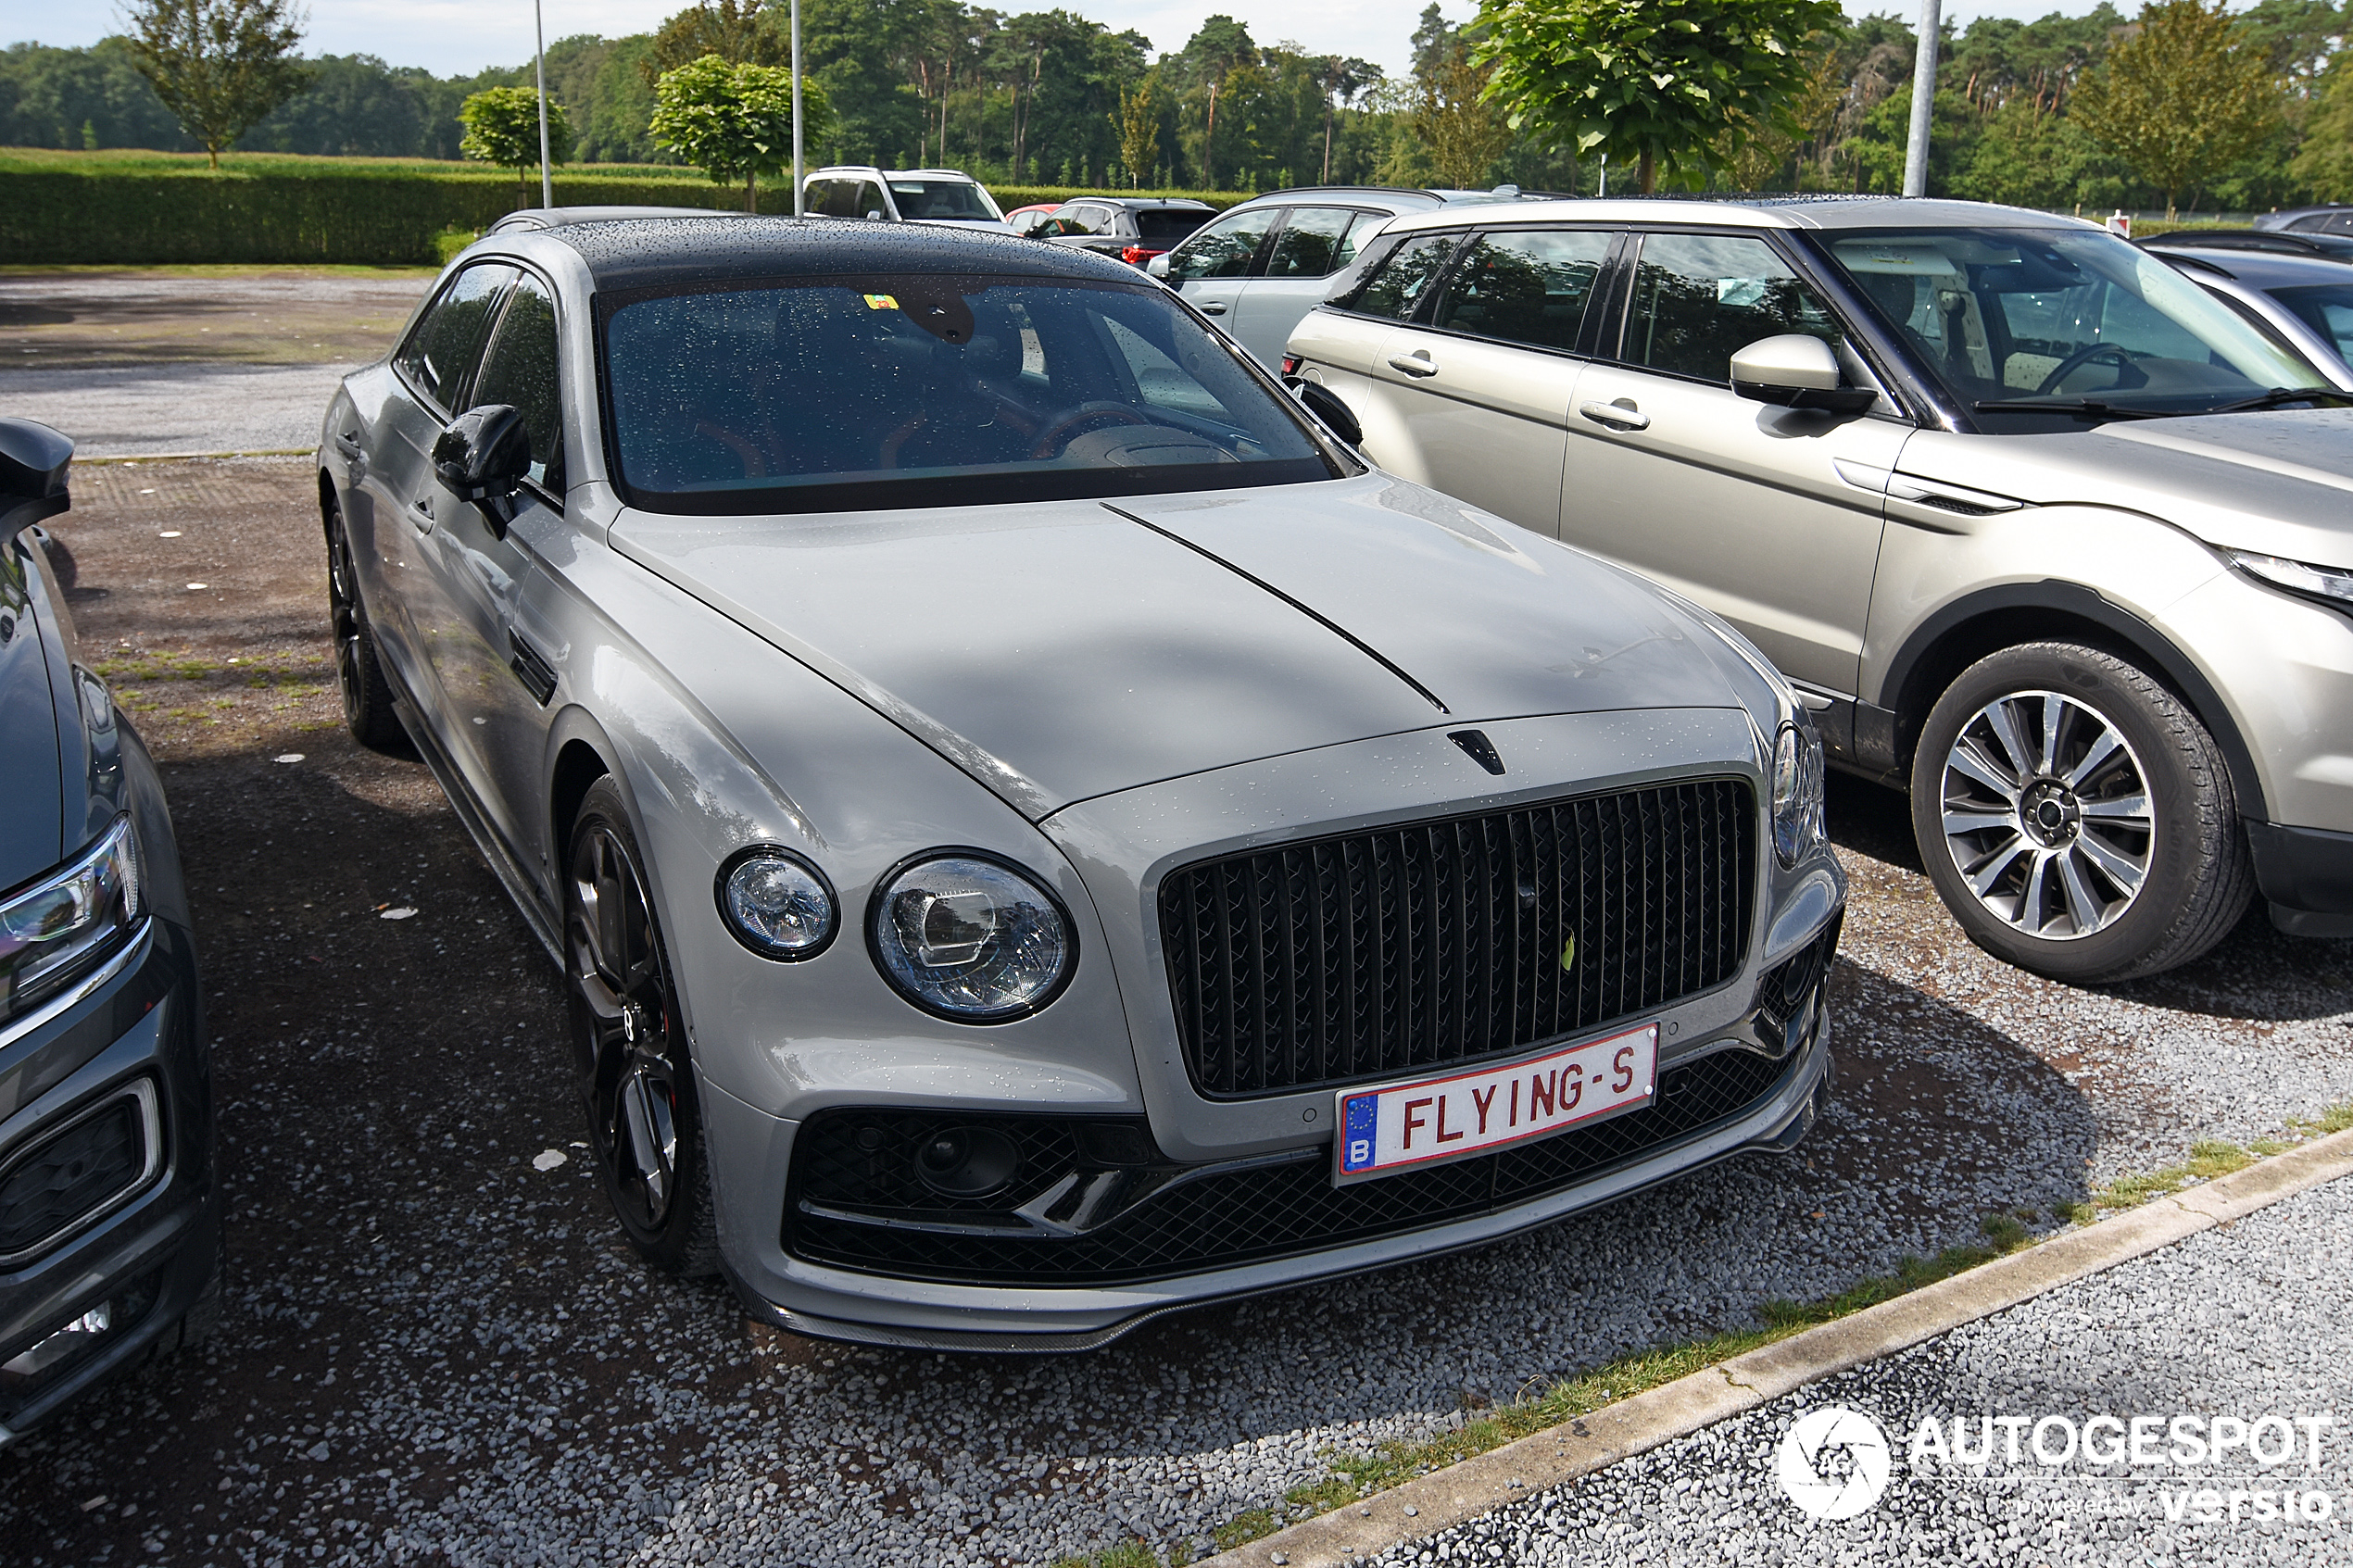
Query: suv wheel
[(2076, 817)]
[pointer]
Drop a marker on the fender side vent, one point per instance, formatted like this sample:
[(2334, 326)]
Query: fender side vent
[(534, 671)]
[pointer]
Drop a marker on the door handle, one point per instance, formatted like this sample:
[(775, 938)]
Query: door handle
[(1417, 363), (349, 443), (1214, 307), (421, 511), (1620, 415)]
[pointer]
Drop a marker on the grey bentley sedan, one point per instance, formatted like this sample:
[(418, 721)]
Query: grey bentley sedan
[(1036, 832)]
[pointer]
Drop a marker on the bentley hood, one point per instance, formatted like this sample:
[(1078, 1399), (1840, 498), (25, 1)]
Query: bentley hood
[(1070, 649), (2280, 483)]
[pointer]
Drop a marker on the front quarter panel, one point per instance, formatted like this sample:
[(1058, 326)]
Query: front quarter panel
[(722, 741)]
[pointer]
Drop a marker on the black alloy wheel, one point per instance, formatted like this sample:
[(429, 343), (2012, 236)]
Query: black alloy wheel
[(636, 1081), (366, 696)]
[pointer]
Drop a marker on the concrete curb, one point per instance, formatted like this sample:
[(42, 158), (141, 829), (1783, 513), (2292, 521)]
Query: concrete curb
[(1422, 1508)]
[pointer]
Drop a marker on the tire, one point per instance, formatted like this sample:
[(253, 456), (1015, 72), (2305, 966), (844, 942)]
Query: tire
[(637, 1079), (2120, 857), (366, 696)]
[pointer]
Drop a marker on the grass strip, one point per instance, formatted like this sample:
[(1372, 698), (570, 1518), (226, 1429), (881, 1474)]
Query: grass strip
[(1355, 1477)]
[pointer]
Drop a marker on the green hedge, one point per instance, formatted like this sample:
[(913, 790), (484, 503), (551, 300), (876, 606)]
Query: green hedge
[(59, 216)]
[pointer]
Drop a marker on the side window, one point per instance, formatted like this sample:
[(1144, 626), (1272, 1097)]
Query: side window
[(1700, 298), (1397, 284), (2339, 223), (1526, 288), (872, 203), (446, 343), (521, 370), (1224, 249), (1309, 244)]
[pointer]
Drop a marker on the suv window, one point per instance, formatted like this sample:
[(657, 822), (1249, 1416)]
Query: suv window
[(1700, 298), (1224, 249), (443, 350), (1310, 245), (871, 200), (1397, 284), (1167, 222), (520, 369), (1526, 288)]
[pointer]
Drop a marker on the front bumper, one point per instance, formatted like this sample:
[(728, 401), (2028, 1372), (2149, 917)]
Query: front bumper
[(882, 1304), (142, 1248)]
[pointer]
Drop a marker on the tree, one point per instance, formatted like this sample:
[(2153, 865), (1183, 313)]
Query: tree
[(2182, 99), (735, 121), (1220, 47), (2326, 163), (1667, 85), (1342, 78), (738, 33), (502, 127), (219, 66), (1139, 126), (1452, 115)]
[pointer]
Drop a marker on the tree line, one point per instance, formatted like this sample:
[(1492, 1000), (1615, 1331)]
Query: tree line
[(2178, 103)]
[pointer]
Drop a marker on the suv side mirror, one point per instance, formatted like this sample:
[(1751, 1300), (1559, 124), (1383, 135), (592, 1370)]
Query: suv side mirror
[(482, 456), (33, 460), (1797, 371), (1330, 411), (1158, 266)]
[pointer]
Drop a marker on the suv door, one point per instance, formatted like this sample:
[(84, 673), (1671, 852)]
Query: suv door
[(1211, 269), (434, 364), (496, 666), (1312, 244), (1770, 516), (1479, 394)]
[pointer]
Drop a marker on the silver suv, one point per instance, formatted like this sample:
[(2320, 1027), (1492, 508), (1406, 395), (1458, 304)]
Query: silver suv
[(2044, 533)]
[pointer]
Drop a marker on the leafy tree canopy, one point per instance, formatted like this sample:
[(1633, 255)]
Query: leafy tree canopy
[(733, 121), (219, 66), (1651, 82), (502, 127)]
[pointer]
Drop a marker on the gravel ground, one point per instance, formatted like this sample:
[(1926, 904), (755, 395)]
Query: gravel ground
[(435, 1350), (2247, 1321)]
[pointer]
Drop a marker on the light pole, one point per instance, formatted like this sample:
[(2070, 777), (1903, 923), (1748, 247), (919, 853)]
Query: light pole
[(1923, 101), (539, 67), (796, 212)]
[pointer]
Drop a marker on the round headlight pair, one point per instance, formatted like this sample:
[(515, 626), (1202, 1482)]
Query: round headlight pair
[(956, 933), (1797, 792)]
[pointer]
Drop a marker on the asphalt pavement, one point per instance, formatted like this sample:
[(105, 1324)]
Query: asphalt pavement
[(2233, 1340)]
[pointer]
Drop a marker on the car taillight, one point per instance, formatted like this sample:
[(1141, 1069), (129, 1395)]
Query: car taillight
[(1291, 364), (1136, 256)]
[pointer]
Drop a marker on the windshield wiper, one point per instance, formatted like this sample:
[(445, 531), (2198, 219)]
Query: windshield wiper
[(2091, 406), (2278, 396)]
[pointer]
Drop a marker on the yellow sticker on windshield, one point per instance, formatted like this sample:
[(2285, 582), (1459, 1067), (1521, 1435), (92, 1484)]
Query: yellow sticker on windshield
[(881, 302)]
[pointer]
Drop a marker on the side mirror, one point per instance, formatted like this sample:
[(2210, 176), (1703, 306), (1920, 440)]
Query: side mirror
[(483, 457), (33, 460), (1158, 266), (1330, 411), (1797, 371), (874, 217)]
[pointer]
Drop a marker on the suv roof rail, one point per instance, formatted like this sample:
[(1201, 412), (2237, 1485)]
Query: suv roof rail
[(2282, 241), (1382, 190)]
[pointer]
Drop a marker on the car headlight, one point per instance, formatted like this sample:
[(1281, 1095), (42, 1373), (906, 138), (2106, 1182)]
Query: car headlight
[(1797, 792), (60, 929), (2314, 582), (970, 939), (776, 904)]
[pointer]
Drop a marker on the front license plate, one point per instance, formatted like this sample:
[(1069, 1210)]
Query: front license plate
[(1387, 1130)]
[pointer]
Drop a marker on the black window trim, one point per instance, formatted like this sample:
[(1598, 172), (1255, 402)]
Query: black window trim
[(445, 419), (1861, 331), (431, 404), (1423, 317)]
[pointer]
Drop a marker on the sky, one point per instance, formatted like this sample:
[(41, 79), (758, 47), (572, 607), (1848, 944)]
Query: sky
[(459, 37)]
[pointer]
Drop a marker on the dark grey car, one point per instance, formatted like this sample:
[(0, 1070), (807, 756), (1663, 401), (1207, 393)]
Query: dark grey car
[(110, 1217)]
